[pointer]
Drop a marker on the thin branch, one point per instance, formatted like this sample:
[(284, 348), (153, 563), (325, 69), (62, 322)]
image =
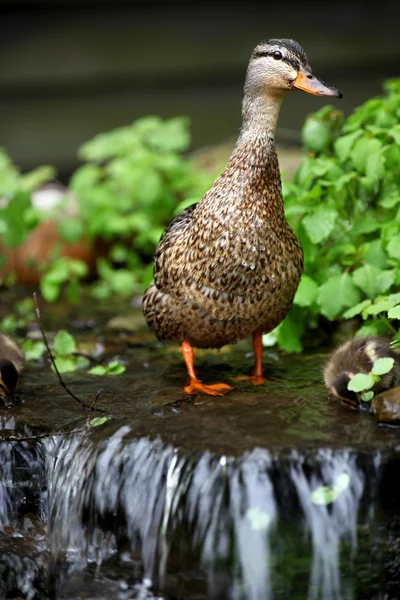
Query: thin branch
[(53, 362), (39, 436)]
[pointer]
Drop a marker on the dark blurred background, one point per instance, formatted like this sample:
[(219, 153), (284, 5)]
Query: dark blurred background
[(72, 68)]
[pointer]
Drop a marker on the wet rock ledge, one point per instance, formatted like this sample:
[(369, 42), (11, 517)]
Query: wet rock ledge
[(268, 493)]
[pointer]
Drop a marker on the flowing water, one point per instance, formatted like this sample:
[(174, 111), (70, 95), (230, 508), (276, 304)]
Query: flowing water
[(276, 493)]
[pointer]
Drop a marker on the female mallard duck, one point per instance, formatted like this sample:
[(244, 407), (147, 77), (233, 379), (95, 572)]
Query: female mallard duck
[(230, 265), (358, 356), (11, 363)]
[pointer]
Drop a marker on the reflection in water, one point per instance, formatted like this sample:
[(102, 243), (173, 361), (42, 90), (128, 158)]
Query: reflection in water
[(224, 515)]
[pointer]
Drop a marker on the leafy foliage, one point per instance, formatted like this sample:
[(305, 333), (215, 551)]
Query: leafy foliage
[(363, 382), (128, 190), (344, 206), (17, 216), (19, 319), (64, 351), (113, 368)]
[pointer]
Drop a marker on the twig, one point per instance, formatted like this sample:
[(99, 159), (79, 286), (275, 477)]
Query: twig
[(53, 362), (95, 400), (39, 436)]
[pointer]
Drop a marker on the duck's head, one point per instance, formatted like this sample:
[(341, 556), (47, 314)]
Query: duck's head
[(277, 66), (8, 377)]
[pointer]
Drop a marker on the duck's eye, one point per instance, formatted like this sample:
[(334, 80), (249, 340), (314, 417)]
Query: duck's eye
[(277, 55)]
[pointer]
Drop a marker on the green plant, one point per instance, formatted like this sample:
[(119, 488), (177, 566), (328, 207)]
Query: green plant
[(65, 353), (23, 315), (17, 215), (67, 358), (33, 349), (344, 206), (113, 368), (362, 383), (128, 190)]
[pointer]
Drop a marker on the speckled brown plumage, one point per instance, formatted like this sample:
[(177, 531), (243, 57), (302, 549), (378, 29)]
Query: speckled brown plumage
[(229, 266)]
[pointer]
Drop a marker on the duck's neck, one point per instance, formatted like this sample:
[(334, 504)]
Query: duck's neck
[(253, 166), (260, 116)]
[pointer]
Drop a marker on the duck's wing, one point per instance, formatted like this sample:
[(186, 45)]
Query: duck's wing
[(169, 250), (217, 263)]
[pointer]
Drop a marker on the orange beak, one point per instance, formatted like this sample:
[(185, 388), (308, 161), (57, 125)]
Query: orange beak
[(308, 83)]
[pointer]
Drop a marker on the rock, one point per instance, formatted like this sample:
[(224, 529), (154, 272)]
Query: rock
[(386, 406)]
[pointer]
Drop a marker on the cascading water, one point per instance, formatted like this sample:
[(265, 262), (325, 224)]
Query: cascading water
[(220, 518), (22, 561)]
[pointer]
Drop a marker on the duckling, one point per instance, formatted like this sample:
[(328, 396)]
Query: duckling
[(11, 364), (358, 356), (229, 266)]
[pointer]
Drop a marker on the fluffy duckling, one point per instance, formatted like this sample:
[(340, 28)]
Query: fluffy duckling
[(11, 364), (228, 267), (358, 356)]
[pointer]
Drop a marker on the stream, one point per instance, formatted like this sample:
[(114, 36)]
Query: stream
[(268, 493)]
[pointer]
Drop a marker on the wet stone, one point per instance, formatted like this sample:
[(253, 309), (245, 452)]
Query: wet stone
[(386, 406)]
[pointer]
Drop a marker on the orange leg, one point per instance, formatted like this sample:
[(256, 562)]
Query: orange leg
[(195, 386), (256, 375)]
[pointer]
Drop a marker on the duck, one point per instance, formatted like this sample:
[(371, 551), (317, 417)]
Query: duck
[(358, 356), (11, 365), (228, 266)]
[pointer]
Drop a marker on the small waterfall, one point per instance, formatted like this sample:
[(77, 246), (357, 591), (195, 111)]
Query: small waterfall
[(22, 562), (218, 516), (329, 523), (21, 474)]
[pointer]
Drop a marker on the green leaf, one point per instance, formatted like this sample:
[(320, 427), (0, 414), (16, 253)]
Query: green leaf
[(378, 307), (382, 366), (344, 144), (315, 135), (324, 495), (357, 309), (306, 292), (291, 330), (363, 149), (393, 247), (150, 187), (64, 343), (98, 370), (373, 327), (394, 313), (33, 350), (66, 364), (336, 293), (97, 421), (270, 339), (360, 382), (71, 229), (375, 166), (50, 291), (320, 223), (373, 281), (115, 368), (173, 134), (32, 180), (394, 132), (367, 396), (259, 519), (374, 254)]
